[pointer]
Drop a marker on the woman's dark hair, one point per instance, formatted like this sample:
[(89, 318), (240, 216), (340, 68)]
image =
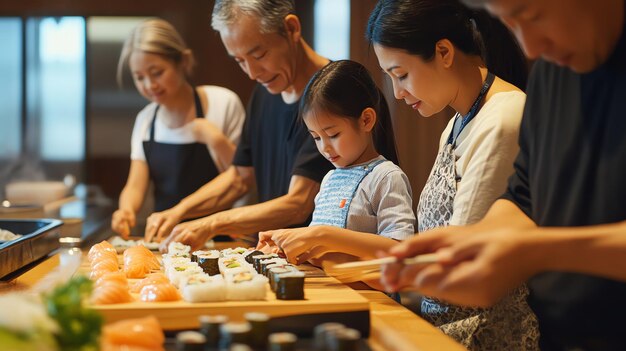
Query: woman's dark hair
[(345, 88), (417, 25)]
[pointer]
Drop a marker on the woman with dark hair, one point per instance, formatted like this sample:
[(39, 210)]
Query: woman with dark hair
[(364, 204), (439, 53)]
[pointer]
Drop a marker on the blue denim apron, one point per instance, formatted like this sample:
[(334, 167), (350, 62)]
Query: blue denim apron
[(333, 202)]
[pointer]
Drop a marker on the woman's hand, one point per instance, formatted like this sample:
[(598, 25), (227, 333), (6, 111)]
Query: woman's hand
[(193, 233), (298, 244), (123, 220), (160, 224)]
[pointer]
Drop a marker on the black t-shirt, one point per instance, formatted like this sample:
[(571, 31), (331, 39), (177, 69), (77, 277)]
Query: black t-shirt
[(571, 171), (278, 145)]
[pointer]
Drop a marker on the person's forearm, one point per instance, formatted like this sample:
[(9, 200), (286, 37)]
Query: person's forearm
[(217, 195), (278, 213), (131, 199), (505, 213), (224, 150), (362, 245), (596, 250)]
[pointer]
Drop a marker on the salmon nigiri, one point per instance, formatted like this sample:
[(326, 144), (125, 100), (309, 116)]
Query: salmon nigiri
[(100, 248), (139, 261), (141, 254), (100, 255), (105, 264), (133, 334), (152, 278), (159, 292), (109, 293), (118, 277)]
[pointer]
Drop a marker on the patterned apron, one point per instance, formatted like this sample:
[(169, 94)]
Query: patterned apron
[(177, 170), (332, 206), (510, 325)]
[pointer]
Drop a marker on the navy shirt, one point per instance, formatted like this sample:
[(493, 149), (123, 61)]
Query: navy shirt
[(571, 171), (278, 145)]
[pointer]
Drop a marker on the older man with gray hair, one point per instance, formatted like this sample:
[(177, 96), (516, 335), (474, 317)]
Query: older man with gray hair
[(276, 151)]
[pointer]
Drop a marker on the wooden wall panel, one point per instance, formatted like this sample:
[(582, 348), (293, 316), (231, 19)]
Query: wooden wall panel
[(192, 18), (417, 137)]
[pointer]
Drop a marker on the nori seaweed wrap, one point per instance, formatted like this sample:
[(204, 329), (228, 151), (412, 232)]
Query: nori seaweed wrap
[(290, 286)]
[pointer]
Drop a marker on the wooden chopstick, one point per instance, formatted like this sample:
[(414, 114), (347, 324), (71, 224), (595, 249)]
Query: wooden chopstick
[(369, 264)]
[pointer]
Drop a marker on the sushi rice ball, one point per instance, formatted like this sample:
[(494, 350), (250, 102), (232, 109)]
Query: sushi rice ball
[(203, 288)]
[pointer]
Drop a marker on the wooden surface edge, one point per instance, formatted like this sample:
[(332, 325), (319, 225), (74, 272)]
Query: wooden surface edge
[(396, 328)]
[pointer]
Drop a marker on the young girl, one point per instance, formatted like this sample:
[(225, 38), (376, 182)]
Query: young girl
[(364, 205), (439, 54), (186, 136)]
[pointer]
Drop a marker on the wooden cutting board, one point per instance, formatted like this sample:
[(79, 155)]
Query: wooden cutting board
[(323, 295)]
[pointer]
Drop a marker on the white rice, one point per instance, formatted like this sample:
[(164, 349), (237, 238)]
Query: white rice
[(255, 289), (203, 288)]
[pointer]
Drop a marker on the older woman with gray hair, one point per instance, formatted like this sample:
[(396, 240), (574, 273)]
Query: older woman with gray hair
[(276, 152)]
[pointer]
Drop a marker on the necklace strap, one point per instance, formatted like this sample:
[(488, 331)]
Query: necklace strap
[(473, 110)]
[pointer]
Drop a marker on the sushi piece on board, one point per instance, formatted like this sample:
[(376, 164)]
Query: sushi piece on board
[(159, 292), (100, 247), (290, 286), (210, 328), (209, 262), (190, 341), (203, 288), (259, 323), (133, 334), (282, 341), (152, 278), (234, 333), (246, 286), (117, 277), (250, 254), (109, 293)]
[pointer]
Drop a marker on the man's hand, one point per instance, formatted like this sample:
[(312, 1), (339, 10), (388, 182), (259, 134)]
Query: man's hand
[(477, 267), (160, 224), (193, 233)]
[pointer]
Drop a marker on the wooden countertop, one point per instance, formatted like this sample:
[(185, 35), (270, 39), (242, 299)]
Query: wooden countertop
[(393, 327)]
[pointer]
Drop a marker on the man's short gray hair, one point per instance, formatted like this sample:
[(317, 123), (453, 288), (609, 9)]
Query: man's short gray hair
[(271, 13), (475, 3)]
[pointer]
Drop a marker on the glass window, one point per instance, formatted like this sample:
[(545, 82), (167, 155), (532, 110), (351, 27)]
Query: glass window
[(56, 86), (111, 110), (10, 88), (332, 28)]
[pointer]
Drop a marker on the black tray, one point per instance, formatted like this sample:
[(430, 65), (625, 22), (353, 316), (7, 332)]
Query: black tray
[(39, 238)]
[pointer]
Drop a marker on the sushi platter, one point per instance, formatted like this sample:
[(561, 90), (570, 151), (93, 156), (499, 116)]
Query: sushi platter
[(294, 303)]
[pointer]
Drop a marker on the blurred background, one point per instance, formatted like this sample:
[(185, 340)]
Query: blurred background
[(62, 111)]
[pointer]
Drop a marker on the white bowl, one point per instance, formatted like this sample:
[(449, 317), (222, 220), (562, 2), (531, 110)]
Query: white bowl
[(39, 193)]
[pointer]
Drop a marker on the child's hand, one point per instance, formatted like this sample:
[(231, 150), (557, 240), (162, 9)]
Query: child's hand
[(268, 247), (298, 244)]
